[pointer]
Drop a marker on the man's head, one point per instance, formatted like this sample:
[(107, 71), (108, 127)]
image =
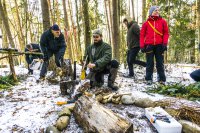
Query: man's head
[(127, 20), (29, 47), (97, 35), (154, 11), (55, 30)]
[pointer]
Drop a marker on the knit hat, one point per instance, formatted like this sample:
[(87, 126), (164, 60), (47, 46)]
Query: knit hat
[(55, 27), (97, 32), (152, 9), (127, 18)]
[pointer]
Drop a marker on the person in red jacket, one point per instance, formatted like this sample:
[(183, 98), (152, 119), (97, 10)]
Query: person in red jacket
[(154, 37)]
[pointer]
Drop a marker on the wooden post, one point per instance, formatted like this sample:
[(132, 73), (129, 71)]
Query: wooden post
[(12, 69)]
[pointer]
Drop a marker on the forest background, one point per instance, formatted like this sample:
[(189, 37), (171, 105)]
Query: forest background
[(23, 22)]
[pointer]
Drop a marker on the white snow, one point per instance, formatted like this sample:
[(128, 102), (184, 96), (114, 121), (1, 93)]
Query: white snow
[(30, 106)]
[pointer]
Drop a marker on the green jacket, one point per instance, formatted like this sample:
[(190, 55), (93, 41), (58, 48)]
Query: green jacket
[(99, 54), (133, 35)]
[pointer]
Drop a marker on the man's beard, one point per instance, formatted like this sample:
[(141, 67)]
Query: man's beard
[(99, 42)]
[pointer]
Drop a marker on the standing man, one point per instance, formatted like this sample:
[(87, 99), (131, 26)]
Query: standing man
[(99, 56), (52, 42), (30, 57), (154, 37), (133, 44)]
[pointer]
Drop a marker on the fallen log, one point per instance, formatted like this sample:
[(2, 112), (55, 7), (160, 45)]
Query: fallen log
[(179, 108), (94, 118)]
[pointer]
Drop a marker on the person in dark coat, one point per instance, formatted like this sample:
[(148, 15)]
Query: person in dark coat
[(99, 61), (195, 75), (154, 37), (32, 47), (133, 44), (52, 42)]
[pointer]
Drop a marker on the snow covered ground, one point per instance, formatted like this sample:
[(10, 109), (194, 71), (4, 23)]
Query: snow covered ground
[(30, 106)]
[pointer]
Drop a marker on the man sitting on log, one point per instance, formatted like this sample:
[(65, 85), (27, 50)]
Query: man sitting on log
[(32, 47), (99, 56), (52, 42)]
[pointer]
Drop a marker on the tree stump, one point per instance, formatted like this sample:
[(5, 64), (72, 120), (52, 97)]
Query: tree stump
[(94, 118)]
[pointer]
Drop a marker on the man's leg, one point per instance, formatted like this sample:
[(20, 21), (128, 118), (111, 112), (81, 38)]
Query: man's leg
[(135, 61), (113, 74), (195, 75), (130, 63), (159, 55), (45, 66), (150, 65), (58, 59)]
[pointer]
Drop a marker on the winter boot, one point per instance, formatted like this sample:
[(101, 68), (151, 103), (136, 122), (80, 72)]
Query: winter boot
[(111, 79)]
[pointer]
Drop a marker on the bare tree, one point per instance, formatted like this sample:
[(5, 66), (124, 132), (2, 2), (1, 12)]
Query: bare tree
[(87, 35), (144, 12), (116, 33), (133, 12), (6, 25), (45, 14)]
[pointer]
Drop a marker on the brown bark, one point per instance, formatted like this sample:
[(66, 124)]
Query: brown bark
[(87, 30), (67, 36), (108, 23), (19, 27), (45, 15), (116, 33), (95, 118), (6, 25)]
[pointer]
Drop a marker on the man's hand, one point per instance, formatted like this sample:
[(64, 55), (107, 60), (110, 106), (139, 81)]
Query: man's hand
[(91, 65), (143, 50)]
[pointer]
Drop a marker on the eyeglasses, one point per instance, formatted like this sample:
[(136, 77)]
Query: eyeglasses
[(95, 36)]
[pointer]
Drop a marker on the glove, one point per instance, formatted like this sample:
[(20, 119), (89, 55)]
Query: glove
[(143, 50), (45, 58), (164, 48)]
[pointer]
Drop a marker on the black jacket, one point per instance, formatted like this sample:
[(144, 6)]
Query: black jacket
[(49, 43), (30, 57)]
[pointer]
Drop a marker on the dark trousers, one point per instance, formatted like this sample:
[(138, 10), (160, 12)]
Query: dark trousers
[(30, 71), (157, 52), (111, 69), (131, 59), (195, 75), (46, 63)]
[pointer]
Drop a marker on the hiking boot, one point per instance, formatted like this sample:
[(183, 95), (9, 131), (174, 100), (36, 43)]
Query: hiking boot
[(149, 82), (129, 76), (112, 86), (161, 82)]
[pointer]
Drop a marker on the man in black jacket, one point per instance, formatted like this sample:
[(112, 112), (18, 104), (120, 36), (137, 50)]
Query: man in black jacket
[(133, 44), (52, 42), (30, 57)]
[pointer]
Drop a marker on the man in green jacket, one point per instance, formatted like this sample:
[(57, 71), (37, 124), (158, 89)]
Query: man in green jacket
[(99, 56)]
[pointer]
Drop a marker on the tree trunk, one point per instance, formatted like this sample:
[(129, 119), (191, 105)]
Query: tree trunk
[(95, 118), (133, 12), (87, 35), (116, 35), (108, 22), (19, 27), (66, 23), (198, 25), (6, 25), (143, 10), (45, 14), (78, 27)]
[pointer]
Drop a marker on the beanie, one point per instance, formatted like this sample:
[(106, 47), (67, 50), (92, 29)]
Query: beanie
[(152, 9), (55, 27), (97, 32)]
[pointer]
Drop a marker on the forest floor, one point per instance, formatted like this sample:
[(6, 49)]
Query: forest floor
[(30, 106)]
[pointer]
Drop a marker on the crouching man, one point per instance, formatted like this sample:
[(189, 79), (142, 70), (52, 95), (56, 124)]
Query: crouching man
[(99, 55), (30, 57)]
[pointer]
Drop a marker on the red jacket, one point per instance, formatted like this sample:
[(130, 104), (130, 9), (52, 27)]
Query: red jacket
[(149, 37)]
